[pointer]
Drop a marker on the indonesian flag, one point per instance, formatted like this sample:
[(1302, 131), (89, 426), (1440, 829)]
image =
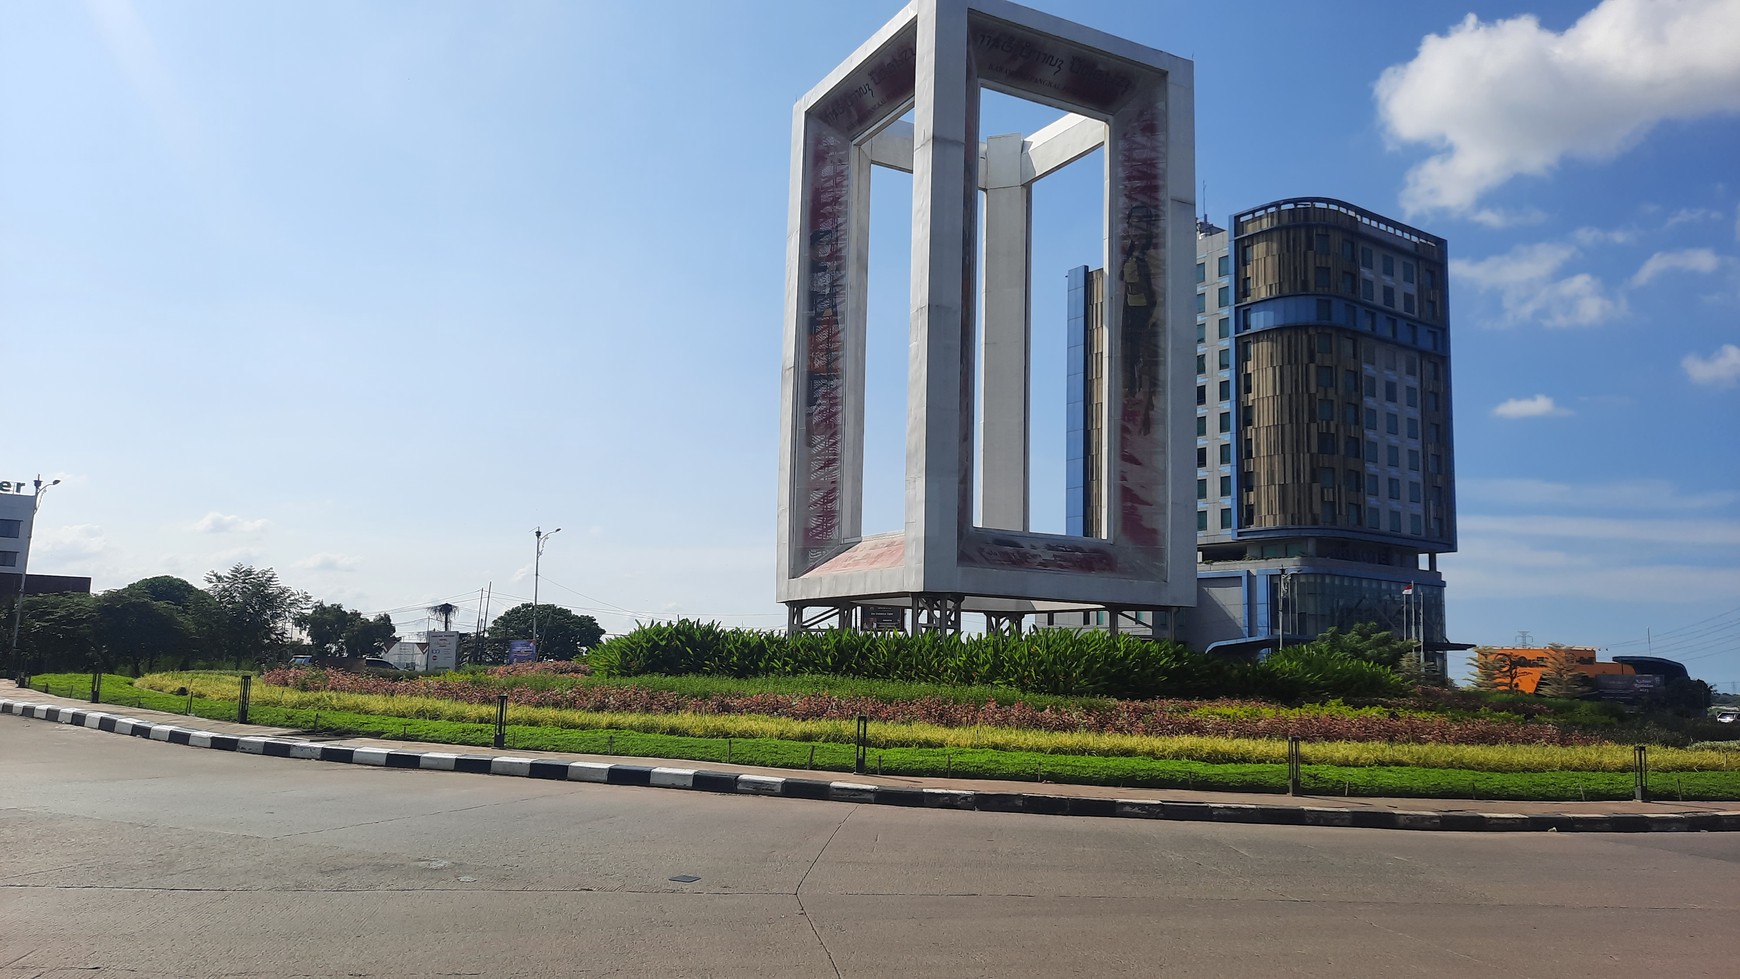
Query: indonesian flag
[(1408, 590)]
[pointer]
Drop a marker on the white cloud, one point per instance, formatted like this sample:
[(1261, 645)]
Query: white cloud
[(1628, 496), (73, 542), (1508, 98), (1686, 215), (1536, 407), (223, 523), (1721, 369), (1702, 533), (1737, 222), (1687, 259), (329, 562), (1493, 217), (1525, 279)]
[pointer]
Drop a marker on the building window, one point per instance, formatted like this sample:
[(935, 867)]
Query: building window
[(1223, 266), (1395, 521), (1347, 249), (1225, 390), (1326, 477), (1350, 414), (1201, 363), (1222, 328), (1320, 277), (1348, 283), (1413, 397), (1407, 271), (1435, 432), (1202, 489), (1436, 462), (1431, 401), (1226, 453), (1390, 391), (1414, 524), (8, 559), (1201, 331), (1352, 480), (1390, 422), (1352, 447), (1349, 382), (1365, 289), (1371, 484), (1201, 272), (1326, 443), (1364, 257), (1353, 515), (1224, 297), (1202, 457), (1325, 377), (1329, 514), (1408, 303), (1395, 488), (1370, 386), (1201, 394), (1202, 520), (1414, 460), (1413, 365), (1394, 456), (1372, 516), (1413, 492), (1371, 450), (1226, 486), (1225, 421), (1226, 518), (1320, 242), (1223, 359), (1371, 419), (1201, 303), (1202, 424), (1389, 265), (1413, 428), (11, 528), (1389, 297)]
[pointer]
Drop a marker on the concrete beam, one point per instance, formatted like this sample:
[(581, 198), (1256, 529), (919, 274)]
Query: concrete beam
[(1058, 145)]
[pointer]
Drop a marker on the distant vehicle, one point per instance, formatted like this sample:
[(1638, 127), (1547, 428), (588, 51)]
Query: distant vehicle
[(1730, 715), (376, 663), (301, 661)]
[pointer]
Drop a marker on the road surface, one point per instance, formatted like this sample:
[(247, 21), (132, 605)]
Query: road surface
[(125, 857)]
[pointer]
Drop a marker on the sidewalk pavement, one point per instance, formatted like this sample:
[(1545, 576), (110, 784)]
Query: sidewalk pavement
[(937, 793)]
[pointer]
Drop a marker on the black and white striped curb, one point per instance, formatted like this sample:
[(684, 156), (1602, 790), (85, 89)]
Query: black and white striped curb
[(883, 795)]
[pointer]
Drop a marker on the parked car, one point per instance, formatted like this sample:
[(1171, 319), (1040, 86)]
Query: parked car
[(376, 663), (301, 661)]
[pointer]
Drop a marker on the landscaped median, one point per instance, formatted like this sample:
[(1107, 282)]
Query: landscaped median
[(1577, 771)]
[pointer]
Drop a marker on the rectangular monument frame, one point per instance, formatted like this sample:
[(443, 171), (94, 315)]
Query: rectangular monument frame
[(933, 58)]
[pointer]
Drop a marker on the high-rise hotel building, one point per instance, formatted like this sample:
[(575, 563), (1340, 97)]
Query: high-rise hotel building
[(1324, 452)]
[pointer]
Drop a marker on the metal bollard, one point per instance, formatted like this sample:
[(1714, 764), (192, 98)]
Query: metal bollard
[(97, 686), (247, 692), (1292, 766), (863, 737), (501, 720), (1640, 772)]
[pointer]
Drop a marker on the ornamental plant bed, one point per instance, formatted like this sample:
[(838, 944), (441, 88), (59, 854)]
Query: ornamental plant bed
[(1147, 718)]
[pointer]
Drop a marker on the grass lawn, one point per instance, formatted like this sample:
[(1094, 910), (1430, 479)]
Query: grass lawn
[(1243, 765)]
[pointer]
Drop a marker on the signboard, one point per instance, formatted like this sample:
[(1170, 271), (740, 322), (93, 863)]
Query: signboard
[(522, 651), (883, 618), (443, 652)]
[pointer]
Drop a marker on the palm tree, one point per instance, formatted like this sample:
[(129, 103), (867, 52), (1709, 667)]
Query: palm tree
[(444, 612)]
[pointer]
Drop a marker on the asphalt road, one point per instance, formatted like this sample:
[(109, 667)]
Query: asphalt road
[(126, 857)]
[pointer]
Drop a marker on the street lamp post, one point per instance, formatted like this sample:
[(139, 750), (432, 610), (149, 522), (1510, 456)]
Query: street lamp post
[(537, 563), (24, 570)]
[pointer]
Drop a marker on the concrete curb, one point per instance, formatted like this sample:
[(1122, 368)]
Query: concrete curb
[(882, 795)]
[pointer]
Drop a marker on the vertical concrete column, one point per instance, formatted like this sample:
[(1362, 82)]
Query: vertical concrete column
[(945, 190), (1005, 449)]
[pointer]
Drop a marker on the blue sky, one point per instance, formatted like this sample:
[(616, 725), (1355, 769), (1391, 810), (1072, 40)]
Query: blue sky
[(366, 291)]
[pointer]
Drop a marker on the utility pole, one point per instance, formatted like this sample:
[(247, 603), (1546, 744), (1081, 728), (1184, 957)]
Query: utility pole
[(24, 571), (537, 562)]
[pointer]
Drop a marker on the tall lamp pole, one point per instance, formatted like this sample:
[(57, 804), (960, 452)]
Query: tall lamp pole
[(24, 569), (537, 563)]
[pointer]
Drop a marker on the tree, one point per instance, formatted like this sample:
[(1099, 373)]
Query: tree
[(325, 625), (1489, 667), (198, 610), (444, 611), (257, 612), (369, 637), (1366, 641), (56, 633), (561, 634), (1560, 676), (128, 626)]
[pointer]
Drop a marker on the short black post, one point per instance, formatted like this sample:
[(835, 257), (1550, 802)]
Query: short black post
[(96, 686), (247, 692), (863, 737), (1292, 766), (501, 720), (1640, 770)]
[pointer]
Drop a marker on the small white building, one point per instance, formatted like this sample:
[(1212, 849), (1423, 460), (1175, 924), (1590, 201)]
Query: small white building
[(408, 654)]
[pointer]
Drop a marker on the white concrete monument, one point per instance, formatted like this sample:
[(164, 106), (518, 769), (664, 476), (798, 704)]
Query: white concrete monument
[(933, 59)]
